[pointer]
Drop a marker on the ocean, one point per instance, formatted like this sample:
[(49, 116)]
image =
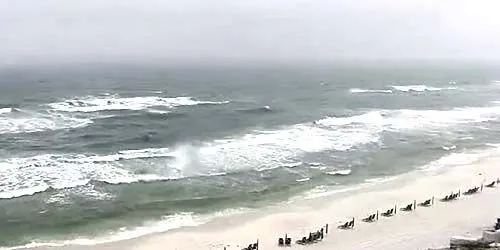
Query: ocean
[(97, 153)]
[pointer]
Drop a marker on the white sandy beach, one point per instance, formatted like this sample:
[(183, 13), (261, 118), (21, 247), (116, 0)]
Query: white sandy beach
[(421, 229)]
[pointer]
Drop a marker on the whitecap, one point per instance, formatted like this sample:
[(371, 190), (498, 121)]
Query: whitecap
[(29, 122), (342, 172), (303, 179), (419, 88), (105, 103), (358, 90), (5, 110), (447, 148)]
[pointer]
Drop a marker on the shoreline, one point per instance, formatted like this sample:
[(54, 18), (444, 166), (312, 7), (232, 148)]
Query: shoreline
[(426, 227)]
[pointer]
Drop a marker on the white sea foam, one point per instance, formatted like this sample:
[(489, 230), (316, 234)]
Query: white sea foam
[(157, 111), (404, 119), (448, 148), (166, 223), (271, 148), (255, 150), (461, 158), (67, 171), (402, 88), (303, 179), (292, 164), (358, 90), (420, 88), (114, 102), (452, 160), (341, 172), (29, 122), (5, 110)]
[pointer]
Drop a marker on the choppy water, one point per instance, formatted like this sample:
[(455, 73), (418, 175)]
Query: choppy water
[(121, 151)]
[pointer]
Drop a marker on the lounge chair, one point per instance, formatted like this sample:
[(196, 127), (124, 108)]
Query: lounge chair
[(425, 203), (347, 225), (472, 191), (446, 198), (302, 241), (310, 239), (409, 207), (492, 184), (316, 236), (344, 226), (451, 197), (388, 212), (370, 218)]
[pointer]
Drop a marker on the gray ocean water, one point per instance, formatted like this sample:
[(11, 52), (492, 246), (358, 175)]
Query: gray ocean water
[(115, 151)]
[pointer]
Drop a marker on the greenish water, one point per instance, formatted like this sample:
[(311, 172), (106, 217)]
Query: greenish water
[(132, 150)]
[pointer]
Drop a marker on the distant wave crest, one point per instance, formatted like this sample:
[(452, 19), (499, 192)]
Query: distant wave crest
[(114, 102), (15, 121), (358, 90), (420, 88), (401, 119), (255, 150), (263, 109), (402, 88)]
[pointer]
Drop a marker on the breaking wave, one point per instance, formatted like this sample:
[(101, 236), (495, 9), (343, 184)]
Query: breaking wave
[(420, 88), (415, 119), (402, 88), (259, 149), (5, 110), (113, 102), (23, 121), (166, 223), (342, 172), (263, 109), (358, 90)]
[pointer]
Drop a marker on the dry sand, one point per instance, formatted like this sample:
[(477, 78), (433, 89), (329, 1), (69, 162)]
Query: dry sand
[(421, 229)]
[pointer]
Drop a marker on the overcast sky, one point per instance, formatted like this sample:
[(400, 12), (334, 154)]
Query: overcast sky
[(246, 30)]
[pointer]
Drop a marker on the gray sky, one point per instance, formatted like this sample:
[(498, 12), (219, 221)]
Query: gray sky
[(247, 30)]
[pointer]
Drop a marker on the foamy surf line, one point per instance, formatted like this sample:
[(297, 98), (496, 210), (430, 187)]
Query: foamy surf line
[(30, 122), (170, 222), (430, 227), (401, 88), (422, 228), (91, 104)]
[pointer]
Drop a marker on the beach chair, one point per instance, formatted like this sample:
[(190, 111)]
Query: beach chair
[(347, 225), (409, 207), (472, 191), (310, 239), (446, 198), (255, 246), (351, 223), (344, 226), (288, 241), (450, 197), (388, 213), (302, 241), (425, 203), (492, 184), (368, 219)]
